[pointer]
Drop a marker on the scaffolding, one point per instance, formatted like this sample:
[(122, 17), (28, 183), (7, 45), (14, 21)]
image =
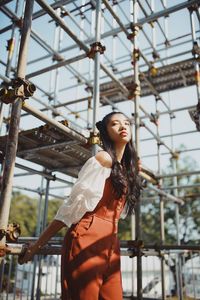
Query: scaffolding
[(67, 64)]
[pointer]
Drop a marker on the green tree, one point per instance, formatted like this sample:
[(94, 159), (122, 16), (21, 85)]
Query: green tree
[(23, 211)]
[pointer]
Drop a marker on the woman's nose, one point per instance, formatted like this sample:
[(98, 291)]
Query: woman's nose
[(122, 126)]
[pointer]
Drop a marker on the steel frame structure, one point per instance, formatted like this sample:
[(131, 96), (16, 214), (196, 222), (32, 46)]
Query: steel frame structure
[(104, 79)]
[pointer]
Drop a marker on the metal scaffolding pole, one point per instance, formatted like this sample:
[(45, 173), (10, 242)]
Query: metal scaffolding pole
[(137, 142), (177, 221), (152, 17), (43, 225), (38, 231), (10, 48), (162, 219), (96, 70), (163, 193), (11, 148), (38, 114), (196, 56), (55, 249), (177, 215), (43, 174)]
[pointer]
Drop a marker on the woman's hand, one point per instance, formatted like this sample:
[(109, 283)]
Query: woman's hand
[(27, 254)]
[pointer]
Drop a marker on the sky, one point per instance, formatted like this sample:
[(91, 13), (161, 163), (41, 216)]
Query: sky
[(118, 51)]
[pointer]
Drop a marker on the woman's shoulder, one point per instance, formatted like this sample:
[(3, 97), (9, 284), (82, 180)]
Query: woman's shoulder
[(104, 159)]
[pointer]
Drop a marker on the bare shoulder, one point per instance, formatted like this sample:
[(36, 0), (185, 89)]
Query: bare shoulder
[(104, 158)]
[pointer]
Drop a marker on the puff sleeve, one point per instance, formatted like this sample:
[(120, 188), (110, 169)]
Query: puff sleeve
[(86, 192)]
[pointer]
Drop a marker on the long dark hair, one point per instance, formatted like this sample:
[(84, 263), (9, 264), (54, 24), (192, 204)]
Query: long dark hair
[(124, 174)]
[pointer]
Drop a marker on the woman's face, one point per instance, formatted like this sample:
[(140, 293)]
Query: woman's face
[(119, 129)]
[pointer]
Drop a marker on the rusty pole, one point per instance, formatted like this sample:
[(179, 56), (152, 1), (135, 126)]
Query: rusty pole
[(11, 148)]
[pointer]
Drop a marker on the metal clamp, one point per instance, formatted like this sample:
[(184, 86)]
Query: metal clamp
[(175, 155), (193, 7), (155, 118), (196, 49), (12, 232), (94, 139), (136, 247), (135, 55), (21, 88), (135, 91), (153, 71), (96, 47), (135, 29)]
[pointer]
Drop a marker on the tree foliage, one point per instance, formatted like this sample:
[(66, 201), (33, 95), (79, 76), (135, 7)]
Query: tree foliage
[(25, 212), (189, 213)]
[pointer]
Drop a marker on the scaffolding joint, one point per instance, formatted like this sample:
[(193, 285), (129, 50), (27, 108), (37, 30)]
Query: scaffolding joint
[(151, 23), (135, 56), (159, 143), (12, 232), (153, 70), (157, 97), (135, 91), (167, 43), (172, 115), (96, 47), (19, 22), (64, 14), (154, 118), (57, 57), (89, 88), (10, 45), (135, 30), (193, 7), (20, 88), (142, 124), (135, 248), (155, 55), (195, 115), (196, 49), (94, 138), (175, 155)]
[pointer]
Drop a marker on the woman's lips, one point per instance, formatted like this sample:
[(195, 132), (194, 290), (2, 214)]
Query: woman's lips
[(124, 133)]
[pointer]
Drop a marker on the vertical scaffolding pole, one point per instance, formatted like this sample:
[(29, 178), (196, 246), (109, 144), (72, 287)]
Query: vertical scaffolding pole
[(38, 230), (137, 141), (162, 229), (96, 69), (11, 45), (178, 259), (44, 222), (197, 71), (12, 142)]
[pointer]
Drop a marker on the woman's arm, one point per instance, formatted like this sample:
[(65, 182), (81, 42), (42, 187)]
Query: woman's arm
[(46, 235)]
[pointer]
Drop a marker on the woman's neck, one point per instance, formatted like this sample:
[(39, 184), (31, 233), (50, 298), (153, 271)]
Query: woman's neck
[(119, 150)]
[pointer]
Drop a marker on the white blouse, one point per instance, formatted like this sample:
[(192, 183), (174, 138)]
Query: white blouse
[(86, 192)]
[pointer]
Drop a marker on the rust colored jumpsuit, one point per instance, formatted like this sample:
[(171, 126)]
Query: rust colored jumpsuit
[(91, 253)]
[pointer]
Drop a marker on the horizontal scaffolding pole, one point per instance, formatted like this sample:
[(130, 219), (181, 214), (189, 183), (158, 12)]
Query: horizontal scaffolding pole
[(38, 191), (170, 135), (46, 175), (179, 174), (64, 129), (57, 65), (167, 153), (166, 195), (152, 17), (16, 249)]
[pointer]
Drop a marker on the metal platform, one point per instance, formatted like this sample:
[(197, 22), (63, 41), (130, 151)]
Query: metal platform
[(56, 151), (169, 77), (51, 149)]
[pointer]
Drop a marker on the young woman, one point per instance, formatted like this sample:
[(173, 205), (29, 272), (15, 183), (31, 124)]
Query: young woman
[(107, 184)]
